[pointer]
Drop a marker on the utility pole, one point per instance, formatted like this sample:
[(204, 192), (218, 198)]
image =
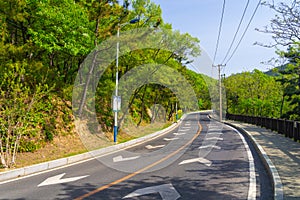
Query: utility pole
[(220, 90)]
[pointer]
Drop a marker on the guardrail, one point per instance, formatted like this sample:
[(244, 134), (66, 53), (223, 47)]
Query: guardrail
[(285, 127)]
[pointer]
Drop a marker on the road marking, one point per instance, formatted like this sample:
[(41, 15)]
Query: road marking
[(210, 146), (58, 180), (166, 191), (171, 139), (214, 133), (214, 138), (141, 170), (120, 158), (200, 160), (154, 147), (185, 128), (212, 129), (252, 176), (179, 133)]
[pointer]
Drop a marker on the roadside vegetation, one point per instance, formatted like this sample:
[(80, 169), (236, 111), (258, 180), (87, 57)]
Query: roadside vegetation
[(42, 46)]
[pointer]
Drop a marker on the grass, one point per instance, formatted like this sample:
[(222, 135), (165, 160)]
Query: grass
[(132, 132), (62, 146)]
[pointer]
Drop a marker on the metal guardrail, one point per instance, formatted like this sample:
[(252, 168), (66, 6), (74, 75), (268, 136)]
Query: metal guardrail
[(288, 128)]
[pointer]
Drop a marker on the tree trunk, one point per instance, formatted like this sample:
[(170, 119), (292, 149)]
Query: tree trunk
[(83, 98), (16, 145), (96, 31), (171, 112), (142, 107), (153, 113), (130, 104), (2, 156)]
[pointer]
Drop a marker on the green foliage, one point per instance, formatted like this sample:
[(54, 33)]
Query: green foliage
[(28, 146), (290, 79), (61, 26), (200, 84), (19, 111), (253, 93), (49, 129), (284, 28)]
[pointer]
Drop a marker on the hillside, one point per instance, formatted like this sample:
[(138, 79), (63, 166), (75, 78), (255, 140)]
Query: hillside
[(275, 70)]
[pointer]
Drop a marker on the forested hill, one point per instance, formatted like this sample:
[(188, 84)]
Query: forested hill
[(275, 71), (43, 45)]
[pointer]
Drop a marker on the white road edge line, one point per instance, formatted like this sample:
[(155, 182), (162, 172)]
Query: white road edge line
[(252, 176)]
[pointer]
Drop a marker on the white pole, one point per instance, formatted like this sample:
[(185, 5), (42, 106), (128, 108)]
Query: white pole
[(220, 92), (117, 82)]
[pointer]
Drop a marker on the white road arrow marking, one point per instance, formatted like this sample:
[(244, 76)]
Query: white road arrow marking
[(213, 138), (58, 180), (210, 146), (179, 133), (154, 147), (170, 139), (120, 158), (200, 160), (166, 191)]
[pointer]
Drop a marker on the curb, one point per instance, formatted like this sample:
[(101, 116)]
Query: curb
[(272, 171), (29, 170)]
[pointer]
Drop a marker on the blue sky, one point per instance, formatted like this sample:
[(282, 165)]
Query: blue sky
[(201, 19)]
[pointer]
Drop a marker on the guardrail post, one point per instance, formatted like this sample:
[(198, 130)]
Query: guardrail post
[(294, 131), (285, 128), (298, 131), (278, 125)]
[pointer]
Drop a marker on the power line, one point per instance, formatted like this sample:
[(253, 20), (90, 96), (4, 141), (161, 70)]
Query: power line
[(220, 28), (244, 32), (238, 29)]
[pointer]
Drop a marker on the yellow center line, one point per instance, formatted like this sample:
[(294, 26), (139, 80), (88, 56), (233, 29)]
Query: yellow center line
[(141, 170)]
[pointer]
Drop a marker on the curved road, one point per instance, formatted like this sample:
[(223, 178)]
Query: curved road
[(200, 159)]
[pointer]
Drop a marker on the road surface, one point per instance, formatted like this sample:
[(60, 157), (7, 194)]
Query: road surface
[(200, 159)]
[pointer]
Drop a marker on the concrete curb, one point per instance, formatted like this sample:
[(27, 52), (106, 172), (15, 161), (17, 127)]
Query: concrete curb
[(16, 173), (276, 181)]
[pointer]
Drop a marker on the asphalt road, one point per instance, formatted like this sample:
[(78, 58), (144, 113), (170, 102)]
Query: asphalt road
[(200, 159)]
